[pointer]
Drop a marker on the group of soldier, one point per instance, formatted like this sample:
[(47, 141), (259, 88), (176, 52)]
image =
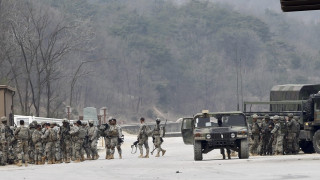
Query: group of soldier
[(52, 144), (47, 142), (277, 135)]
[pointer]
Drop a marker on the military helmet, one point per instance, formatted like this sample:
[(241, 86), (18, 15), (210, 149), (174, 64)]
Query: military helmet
[(158, 119), (65, 120), (31, 125), (84, 122), (290, 115), (266, 116), (34, 122), (3, 119), (276, 117), (255, 116), (90, 121)]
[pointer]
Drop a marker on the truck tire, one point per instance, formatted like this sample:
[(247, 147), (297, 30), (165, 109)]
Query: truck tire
[(308, 108), (316, 141), (197, 148), (244, 149), (306, 146)]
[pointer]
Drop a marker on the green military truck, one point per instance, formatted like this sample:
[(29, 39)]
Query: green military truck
[(303, 100), (207, 131)]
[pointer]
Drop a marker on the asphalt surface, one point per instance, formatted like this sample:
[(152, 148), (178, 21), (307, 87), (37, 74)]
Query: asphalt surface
[(177, 163)]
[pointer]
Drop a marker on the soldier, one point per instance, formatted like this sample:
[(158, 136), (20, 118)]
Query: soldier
[(86, 143), (277, 136), (78, 141), (255, 130), (93, 140), (31, 145), (265, 135), (50, 136), (57, 143), (297, 133), (66, 143), (291, 137), (22, 135), (143, 138), (37, 141), (120, 141), (112, 136), (157, 135), (4, 130)]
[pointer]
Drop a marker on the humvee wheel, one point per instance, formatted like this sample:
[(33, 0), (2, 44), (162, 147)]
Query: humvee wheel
[(316, 141), (197, 148), (244, 149), (306, 147)]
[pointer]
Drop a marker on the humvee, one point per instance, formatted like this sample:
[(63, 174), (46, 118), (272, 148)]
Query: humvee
[(207, 131)]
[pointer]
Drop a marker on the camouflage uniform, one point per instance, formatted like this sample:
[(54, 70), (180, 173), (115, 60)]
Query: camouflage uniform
[(157, 135), (255, 130), (120, 141), (57, 144), (31, 145), (265, 136), (4, 138), (38, 149), (66, 142), (50, 136), (143, 139), (297, 132), (112, 135), (278, 136), (291, 137), (22, 135), (86, 143), (93, 140), (78, 135)]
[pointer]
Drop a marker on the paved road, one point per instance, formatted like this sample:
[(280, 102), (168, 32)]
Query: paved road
[(179, 157)]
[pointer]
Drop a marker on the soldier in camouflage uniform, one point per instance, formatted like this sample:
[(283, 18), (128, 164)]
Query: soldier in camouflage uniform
[(4, 138), (112, 135), (157, 135), (50, 136), (265, 135), (291, 137), (297, 133), (255, 130), (277, 136), (143, 138), (22, 135), (86, 143), (120, 141), (93, 140), (37, 141), (57, 144), (31, 145), (66, 143), (77, 135)]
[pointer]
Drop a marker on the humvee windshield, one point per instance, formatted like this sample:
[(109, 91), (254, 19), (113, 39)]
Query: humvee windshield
[(220, 121)]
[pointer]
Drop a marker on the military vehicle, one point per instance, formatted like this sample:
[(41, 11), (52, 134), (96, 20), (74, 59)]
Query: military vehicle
[(299, 5), (207, 131), (303, 100)]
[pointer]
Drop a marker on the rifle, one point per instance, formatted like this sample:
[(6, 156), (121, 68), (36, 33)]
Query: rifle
[(134, 145), (164, 129), (154, 148)]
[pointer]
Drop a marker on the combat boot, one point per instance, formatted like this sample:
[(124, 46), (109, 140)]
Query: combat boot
[(147, 154), (53, 161), (77, 160), (163, 152), (19, 163), (82, 158), (141, 156), (67, 160), (89, 157), (120, 156), (43, 159), (158, 154), (112, 156)]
